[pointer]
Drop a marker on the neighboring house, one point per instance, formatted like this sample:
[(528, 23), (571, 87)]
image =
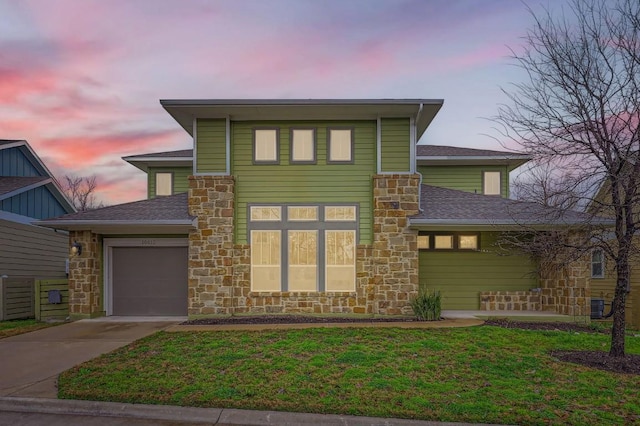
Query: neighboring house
[(29, 192), (317, 206), (603, 274)]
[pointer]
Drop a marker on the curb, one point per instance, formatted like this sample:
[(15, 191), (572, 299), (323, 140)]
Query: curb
[(211, 416)]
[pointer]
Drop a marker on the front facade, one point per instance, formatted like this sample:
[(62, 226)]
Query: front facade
[(303, 206)]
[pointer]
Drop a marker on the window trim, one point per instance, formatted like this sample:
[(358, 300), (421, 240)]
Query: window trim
[(254, 160), (456, 241), (314, 140), (353, 151), (602, 262), (484, 174), (171, 191)]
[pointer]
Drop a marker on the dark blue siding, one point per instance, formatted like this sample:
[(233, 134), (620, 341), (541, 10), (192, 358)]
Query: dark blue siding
[(14, 163), (38, 203)]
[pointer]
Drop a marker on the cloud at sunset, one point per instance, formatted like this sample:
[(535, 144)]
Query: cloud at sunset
[(80, 80)]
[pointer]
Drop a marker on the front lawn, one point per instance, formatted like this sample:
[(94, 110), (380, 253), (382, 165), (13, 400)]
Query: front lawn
[(479, 374), (15, 327)]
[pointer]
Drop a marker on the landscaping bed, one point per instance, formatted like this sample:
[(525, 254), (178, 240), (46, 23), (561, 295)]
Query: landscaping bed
[(294, 319)]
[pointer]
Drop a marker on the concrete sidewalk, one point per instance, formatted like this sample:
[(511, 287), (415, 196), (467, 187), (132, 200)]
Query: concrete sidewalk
[(31, 362), (104, 411)]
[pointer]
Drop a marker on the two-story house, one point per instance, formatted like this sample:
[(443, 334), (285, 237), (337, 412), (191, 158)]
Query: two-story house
[(313, 206), (29, 192)]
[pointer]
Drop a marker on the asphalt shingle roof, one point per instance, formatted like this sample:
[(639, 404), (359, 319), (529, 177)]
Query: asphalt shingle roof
[(172, 207), (12, 183), (454, 151), (442, 205)]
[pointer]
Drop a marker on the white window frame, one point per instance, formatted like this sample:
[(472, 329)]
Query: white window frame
[(331, 149), (267, 133), (293, 148), (486, 181), (160, 184)]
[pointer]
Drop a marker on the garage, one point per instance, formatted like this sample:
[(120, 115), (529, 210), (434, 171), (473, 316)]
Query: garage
[(460, 275), (149, 281)]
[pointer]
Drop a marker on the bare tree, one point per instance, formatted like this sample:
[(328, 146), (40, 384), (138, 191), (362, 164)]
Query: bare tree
[(580, 105), (81, 192)]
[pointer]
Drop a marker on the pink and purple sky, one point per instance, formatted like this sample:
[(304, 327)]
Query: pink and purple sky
[(80, 80)]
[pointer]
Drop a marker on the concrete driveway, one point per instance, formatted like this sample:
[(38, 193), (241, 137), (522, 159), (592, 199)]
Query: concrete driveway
[(31, 362)]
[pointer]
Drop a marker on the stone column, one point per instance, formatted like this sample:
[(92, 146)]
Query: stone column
[(395, 247), (85, 291), (567, 289), (211, 248)]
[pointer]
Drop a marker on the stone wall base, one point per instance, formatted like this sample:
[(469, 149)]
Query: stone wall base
[(510, 301)]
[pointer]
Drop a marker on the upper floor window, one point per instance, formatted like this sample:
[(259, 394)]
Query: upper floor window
[(597, 263), (164, 183), (340, 146), (491, 183), (266, 146), (303, 146)]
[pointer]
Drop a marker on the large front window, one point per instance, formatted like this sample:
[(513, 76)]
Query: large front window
[(306, 248)]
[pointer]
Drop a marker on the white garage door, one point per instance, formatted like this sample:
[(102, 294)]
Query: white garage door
[(149, 280)]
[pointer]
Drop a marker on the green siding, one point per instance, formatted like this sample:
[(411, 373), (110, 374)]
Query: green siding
[(180, 179), (396, 145), (461, 276), (463, 178), (211, 146), (303, 183)]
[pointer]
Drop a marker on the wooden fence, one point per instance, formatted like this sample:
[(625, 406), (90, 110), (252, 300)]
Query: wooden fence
[(22, 298), (16, 298), (46, 306)]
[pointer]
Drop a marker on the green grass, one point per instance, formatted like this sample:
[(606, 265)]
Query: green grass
[(15, 327), (478, 374)]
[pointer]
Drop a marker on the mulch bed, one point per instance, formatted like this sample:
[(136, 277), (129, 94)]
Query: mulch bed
[(292, 319), (540, 325)]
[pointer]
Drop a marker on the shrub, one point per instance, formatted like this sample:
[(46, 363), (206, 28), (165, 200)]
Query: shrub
[(427, 305)]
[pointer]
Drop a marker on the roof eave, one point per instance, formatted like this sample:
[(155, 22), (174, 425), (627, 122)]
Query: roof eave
[(483, 224), (144, 163), (512, 161), (185, 110), (121, 226)]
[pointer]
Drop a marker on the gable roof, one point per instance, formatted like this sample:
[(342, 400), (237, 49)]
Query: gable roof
[(433, 155), (442, 207), (12, 185), (184, 111), (20, 184), (168, 214)]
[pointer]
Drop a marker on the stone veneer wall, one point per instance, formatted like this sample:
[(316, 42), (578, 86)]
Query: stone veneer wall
[(219, 270), (85, 292), (510, 301), (566, 290), (395, 246), (211, 248)]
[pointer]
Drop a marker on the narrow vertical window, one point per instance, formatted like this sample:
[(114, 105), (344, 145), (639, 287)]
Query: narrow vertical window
[(265, 146), (164, 183), (340, 146), (340, 258), (597, 264), (303, 260), (491, 183), (303, 146), (265, 261)]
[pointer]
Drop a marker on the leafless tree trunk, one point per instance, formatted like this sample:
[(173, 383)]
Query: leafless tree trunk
[(580, 106), (81, 192)]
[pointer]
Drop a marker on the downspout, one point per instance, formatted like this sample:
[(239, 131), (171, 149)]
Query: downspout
[(414, 142)]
